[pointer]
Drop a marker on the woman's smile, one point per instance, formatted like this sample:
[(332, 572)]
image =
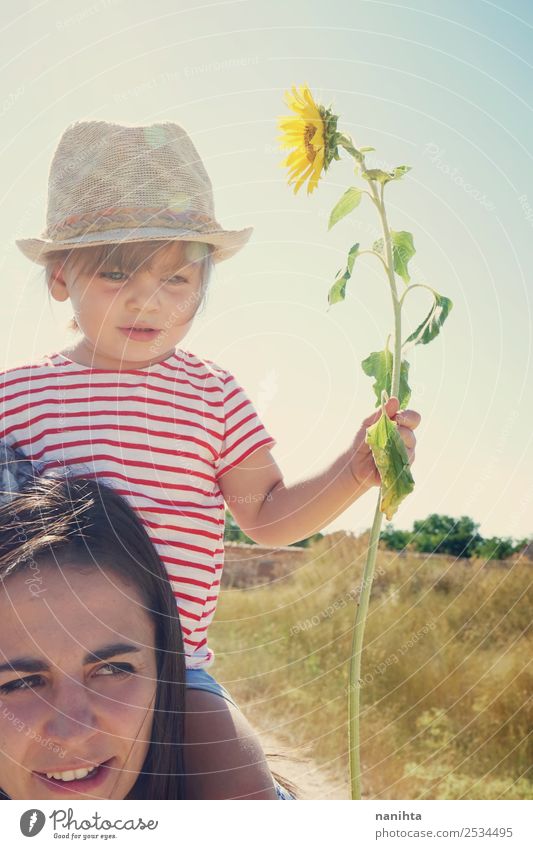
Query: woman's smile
[(78, 780)]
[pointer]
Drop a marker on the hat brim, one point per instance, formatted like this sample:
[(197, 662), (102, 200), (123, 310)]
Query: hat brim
[(226, 243)]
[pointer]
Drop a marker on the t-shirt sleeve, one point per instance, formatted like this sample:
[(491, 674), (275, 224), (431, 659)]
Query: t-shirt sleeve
[(244, 431)]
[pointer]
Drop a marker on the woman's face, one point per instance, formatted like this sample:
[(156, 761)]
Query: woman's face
[(77, 684)]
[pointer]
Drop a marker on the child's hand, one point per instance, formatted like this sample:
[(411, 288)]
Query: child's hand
[(362, 464)]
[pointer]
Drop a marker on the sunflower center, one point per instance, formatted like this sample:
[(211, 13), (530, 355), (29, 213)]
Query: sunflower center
[(309, 149)]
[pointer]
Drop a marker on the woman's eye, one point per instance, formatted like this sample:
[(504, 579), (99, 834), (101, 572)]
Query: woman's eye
[(115, 669), (29, 683)]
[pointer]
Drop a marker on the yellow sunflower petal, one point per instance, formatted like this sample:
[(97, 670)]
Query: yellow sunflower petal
[(313, 181), (295, 156), (304, 176), (304, 134)]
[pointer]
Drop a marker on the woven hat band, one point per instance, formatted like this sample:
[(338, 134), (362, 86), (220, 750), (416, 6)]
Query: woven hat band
[(129, 217)]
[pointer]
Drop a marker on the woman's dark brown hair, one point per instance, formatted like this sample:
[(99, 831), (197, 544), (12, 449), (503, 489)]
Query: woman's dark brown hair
[(62, 519)]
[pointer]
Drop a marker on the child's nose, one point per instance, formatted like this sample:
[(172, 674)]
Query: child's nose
[(144, 292)]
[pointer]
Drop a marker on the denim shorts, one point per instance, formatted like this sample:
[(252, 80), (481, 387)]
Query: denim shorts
[(200, 679)]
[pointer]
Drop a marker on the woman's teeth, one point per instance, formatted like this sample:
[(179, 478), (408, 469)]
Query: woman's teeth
[(72, 775)]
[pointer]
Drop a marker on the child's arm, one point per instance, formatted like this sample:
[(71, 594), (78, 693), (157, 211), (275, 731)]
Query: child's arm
[(273, 514)]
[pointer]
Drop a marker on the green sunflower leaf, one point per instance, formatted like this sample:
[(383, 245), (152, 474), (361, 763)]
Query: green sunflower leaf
[(386, 176), (338, 290), (376, 174), (398, 173), (350, 199), (403, 250), (390, 457), (433, 322), (379, 365)]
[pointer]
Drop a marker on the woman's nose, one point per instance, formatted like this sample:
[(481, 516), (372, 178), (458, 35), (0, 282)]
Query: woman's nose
[(71, 716)]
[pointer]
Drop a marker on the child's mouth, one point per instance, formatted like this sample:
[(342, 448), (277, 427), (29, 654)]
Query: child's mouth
[(139, 334)]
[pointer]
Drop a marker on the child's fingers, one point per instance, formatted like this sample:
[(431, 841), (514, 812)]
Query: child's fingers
[(408, 437), (405, 418), (391, 408), (409, 418)]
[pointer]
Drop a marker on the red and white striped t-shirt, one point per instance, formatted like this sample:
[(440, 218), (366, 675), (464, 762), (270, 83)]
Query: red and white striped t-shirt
[(161, 436)]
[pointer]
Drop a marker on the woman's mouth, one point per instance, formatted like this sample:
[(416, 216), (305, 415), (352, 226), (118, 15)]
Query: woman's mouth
[(82, 780), (140, 334)]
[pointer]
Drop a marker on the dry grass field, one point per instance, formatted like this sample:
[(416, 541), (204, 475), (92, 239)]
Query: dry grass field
[(447, 675)]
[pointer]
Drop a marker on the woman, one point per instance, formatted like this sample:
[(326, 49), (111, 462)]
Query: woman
[(91, 657), (92, 672)]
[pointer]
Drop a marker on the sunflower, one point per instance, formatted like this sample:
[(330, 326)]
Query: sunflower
[(312, 132)]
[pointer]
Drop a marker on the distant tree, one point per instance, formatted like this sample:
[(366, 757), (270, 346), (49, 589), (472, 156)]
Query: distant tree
[(393, 539), (522, 543), (497, 548), (446, 535)]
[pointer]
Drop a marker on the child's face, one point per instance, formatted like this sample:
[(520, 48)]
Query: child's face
[(162, 297)]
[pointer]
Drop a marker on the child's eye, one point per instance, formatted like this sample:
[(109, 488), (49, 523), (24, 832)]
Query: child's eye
[(115, 669), (176, 279), (28, 683), (114, 276)]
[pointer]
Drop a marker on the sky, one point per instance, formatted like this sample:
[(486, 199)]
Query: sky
[(443, 88)]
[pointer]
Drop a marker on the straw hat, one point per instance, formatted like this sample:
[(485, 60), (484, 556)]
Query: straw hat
[(114, 183)]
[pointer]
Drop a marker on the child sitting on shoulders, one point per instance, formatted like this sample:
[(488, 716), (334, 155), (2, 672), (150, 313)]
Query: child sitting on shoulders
[(130, 240)]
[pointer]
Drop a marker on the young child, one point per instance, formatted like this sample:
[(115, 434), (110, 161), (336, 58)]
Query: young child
[(130, 240)]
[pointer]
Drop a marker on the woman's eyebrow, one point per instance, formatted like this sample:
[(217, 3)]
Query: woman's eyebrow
[(33, 664), (24, 664), (110, 651)]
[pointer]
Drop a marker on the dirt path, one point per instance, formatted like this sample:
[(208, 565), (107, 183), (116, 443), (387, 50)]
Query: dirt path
[(312, 780)]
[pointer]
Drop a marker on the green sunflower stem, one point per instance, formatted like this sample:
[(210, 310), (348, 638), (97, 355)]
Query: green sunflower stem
[(354, 689), (354, 701)]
